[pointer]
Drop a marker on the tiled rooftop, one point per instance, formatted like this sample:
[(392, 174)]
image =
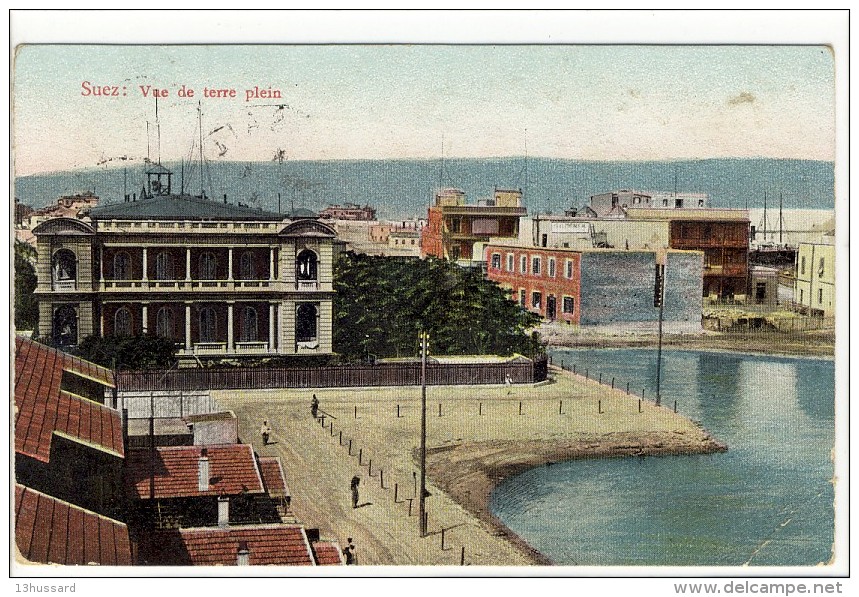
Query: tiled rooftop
[(328, 553), (43, 408), (232, 470), (48, 530), (272, 475), (268, 545)]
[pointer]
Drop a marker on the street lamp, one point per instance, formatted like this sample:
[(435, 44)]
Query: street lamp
[(424, 337)]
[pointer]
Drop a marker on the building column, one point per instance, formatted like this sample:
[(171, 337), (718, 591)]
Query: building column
[(145, 312), (271, 263), (230, 325), (271, 327), (145, 266), (279, 310), (101, 264), (188, 264), (101, 320), (230, 264), (188, 326)]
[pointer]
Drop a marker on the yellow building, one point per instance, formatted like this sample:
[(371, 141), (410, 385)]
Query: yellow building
[(814, 288)]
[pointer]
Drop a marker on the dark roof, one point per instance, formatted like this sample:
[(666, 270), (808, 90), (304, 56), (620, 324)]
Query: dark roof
[(302, 213), (274, 544), (42, 408), (232, 470), (180, 207), (308, 227), (48, 530)]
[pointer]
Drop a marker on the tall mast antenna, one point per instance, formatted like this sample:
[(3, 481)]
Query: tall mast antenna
[(158, 129), (200, 126)]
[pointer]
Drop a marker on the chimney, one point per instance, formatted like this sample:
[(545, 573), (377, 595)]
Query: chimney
[(243, 556), (203, 471), (223, 511)]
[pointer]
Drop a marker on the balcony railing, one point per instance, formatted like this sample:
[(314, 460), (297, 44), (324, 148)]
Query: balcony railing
[(146, 285), (207, 348), (307, 285), (64, 284), (251, 347)]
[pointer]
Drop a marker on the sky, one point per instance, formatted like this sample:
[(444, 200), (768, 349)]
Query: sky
[(591, 102)]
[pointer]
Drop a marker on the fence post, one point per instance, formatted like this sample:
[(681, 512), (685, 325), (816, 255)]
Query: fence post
[(599, 406), (586, 373), (396, 490), (356, 411), (639, 405), (600, 378), (360, 455), (439, 409), (480, 409), (382, 478), (627, 388), (340, 441), (410, 505), (520, 407), (612, 383), (562, 363), (398, 411), (350, 447), (442, 538), (561, 408), (675, 406), (462, 556), (370, 468)]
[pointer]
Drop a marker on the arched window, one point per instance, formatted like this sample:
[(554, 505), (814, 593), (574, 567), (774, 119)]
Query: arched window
[(249, 332), (164, 266), (305, 322), (208, 325), (208, 266), (247, 267), (64, 266), (164, 323), (122, 266), (65, 328), (122, 322), (305, 265)]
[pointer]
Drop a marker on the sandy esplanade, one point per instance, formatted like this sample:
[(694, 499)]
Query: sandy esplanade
[(479, 439)]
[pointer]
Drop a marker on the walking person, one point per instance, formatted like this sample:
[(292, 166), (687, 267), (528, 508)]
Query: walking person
[(354, 487), (265, 432), (314, 406), (349, 552), (509, 383)]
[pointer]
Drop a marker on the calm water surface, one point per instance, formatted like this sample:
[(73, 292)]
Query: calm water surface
[(767, 501)]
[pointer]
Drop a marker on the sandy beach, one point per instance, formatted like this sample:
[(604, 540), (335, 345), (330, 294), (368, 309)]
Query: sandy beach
[(476, 436)]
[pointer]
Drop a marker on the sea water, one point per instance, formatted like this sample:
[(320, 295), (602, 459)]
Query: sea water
[(767, 501)]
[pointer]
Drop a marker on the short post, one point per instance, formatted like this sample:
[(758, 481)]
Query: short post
[(426, 520), (600, 378), (439, 409), (356, 411), (442, 538), (360, 454), (627, 388), (639, 405), (382, 478), (612, 383), (675, 406), (520, 407), (562, 363), (480, 409), (462, 556), (332, 428), (370, 468), (398, 411), (340, 442), (574, 372), (599, 406), (410, 505), (561, 407), (586, 373), (396, 491), (415, 477), (350, 447)]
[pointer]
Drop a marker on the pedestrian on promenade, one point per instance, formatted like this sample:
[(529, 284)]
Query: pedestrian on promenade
[(349, 552), (314, 406), (509, 383), (265, 432), (354, 487)]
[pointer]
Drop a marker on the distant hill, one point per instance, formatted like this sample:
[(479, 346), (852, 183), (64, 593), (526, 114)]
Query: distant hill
[(402, 188)]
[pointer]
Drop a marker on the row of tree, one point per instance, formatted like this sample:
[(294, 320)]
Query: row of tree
[(382, 303)]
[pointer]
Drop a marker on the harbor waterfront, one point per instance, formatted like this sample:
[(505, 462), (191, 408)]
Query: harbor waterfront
[(476, 436), (767, 501)]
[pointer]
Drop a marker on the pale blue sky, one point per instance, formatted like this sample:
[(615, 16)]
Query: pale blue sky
[(352, 101)]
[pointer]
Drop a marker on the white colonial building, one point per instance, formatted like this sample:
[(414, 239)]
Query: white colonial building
[(222, 280)]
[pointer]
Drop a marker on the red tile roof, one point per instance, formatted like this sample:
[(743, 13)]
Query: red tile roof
[(232, 470), (327, 553), (48, 530), (43, 409), (268, 545), (272, 476)]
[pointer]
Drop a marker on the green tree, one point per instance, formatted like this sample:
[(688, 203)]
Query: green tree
[(128, 352), (381, 304), (26, 307)]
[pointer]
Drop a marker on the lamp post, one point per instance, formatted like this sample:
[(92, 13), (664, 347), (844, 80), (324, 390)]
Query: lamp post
[(424, 336), (659, 301)]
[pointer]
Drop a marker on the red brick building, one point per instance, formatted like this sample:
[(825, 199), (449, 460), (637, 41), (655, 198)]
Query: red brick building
[(545, 281)]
